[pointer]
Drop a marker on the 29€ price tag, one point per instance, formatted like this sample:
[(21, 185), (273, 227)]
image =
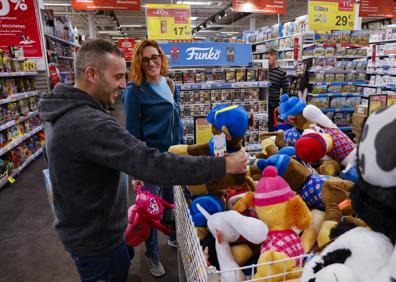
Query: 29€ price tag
[(327, 15), (168, 21)]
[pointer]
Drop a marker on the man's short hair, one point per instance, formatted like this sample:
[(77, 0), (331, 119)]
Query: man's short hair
[(271, 51), (92, 53)]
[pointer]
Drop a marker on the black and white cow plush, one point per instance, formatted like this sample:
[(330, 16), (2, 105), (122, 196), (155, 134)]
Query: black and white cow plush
[(374, 195), (360, 254)]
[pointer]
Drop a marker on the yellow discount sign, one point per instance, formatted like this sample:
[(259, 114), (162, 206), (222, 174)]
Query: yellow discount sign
[(327, 15), (168, 22)]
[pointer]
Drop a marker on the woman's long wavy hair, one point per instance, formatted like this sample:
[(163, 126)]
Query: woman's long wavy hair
[(136, 73)]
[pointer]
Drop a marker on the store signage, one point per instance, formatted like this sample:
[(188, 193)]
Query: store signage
[(19, 27), (377, 102), (260, 6), (126, 45), (376, 8), (327, 15), (208, 54), (130, 5), (168, 22)]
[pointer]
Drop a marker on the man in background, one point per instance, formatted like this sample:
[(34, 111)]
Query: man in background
[(279, 81)]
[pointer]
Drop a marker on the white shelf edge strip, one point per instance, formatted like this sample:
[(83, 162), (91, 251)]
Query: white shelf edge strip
[(18, 96), (18, 73), (19, 169), (18, 141)]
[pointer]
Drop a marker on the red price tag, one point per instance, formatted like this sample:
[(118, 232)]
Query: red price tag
[(345, 5), (296, 51)]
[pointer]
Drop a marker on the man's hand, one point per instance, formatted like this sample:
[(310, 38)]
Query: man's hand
[(236, 163)]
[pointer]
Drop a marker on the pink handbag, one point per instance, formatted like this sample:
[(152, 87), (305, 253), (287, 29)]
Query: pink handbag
[(145, 214)]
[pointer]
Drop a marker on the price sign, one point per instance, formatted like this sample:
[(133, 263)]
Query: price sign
[(168, 22), (11, 180), (327, 15)]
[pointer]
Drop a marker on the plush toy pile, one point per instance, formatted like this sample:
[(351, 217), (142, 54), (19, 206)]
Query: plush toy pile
[(294, 196)]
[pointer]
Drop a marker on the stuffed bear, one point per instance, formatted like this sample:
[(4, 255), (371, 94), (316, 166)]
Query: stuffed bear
[(364, 254), (232, 121), (281, 209), (311, 187)]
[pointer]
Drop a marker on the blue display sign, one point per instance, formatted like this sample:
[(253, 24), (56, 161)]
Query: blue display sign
[(208, 54)]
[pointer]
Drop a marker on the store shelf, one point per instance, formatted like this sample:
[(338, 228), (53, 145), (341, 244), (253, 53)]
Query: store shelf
[(19, 73), (18, 96), (339, 57), (18, 141), (29, 116), (18, 59), (335, 45), (287, 67), (374, 86), (380, 73), (383, 56), (223, 85), (337, 71), (308, 57), (285, 49), (286, 60), (324, 95), (65, 58), (61, 40), (383, 41), (360, 83), (277, 38), (66, 72), (343, 110), (345, 128), (19, 169), (7, 125)]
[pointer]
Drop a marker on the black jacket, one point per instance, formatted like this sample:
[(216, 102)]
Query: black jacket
[(86, 150)]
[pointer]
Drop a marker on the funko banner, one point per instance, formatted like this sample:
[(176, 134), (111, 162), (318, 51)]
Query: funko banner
[(207, 54)]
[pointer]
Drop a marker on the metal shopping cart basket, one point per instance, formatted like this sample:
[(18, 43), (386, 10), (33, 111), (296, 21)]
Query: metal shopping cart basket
[(191, 260)]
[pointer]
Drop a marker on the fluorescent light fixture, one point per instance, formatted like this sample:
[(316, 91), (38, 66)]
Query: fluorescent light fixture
[(109, 32), (207, 31), (196, 3), (229, 32), (132, 25), (193, 18), (57, 4)]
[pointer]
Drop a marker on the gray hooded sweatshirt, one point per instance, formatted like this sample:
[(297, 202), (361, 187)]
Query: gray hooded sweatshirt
[(86, 150)]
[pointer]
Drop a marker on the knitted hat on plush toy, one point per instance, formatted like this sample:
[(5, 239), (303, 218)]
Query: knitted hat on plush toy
[(311, 147), (272, 189), (235, 118), (290, 106)]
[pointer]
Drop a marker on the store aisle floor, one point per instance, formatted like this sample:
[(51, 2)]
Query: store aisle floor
[(31, 251)]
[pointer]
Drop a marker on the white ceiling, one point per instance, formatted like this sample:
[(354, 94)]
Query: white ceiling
[(104, 22)]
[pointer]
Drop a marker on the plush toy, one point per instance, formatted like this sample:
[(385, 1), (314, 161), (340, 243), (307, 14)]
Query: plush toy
[(369, 255), (145, 214), (232, 121), (228, 227), (302, 116), (359, 255), (310, 186), (280, 208), (212, 204)]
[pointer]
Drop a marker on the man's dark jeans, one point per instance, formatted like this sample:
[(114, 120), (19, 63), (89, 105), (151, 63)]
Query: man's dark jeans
[(110, 268)]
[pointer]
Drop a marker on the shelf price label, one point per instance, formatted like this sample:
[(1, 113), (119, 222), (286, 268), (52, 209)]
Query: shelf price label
[(327, 15), (11, 180), (168, 22)]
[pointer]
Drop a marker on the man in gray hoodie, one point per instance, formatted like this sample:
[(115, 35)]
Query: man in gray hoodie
[(87, 149)]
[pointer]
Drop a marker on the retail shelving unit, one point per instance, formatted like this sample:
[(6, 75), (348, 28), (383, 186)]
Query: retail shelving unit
[(19, 122)]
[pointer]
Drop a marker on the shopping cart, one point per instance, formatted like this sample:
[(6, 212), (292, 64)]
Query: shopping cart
[(191, 259)]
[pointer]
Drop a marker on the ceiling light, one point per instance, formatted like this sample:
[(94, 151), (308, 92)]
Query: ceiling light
[(132, 25), (196, 3), (57, 4), (193, 18)]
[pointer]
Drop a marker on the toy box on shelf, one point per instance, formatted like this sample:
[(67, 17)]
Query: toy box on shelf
[(338, 72), (19, 121)]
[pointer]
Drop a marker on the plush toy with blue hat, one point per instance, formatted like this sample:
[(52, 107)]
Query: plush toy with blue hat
[(232, 121)]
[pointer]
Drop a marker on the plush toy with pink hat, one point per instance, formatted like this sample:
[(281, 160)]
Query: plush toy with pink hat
[(281, 209)]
